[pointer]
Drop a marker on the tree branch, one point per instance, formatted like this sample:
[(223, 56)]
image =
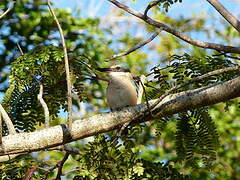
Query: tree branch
[(171, 104), (227, 56), (232, 57), (60, 166), (9, 8), (226, 14), (202, 44), (68, 149), (68, 78), (30, 172), (212, 73), (134, 48), (151, 5), (20, 49), (7, 120), (44, 105), (9, 157)]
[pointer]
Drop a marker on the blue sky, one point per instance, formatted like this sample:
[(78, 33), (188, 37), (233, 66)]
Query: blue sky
[(188, 8), (102, 7)]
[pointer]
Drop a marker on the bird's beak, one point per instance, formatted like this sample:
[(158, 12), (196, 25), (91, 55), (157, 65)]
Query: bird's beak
[(104, 69)]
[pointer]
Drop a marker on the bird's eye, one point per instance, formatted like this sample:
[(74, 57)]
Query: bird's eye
[(118, 68)]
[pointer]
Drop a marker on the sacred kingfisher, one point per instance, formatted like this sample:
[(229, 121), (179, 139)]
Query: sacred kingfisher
[(123, 89)]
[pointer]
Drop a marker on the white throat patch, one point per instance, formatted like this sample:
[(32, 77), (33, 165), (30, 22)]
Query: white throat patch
[(114, 74)]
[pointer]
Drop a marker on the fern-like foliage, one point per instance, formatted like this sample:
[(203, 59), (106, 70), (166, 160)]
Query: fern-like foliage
[(24, 109), (186, 67), (196, 137), (107, 159), (16, 168), (196, 134), (43, 65), (165, 4)]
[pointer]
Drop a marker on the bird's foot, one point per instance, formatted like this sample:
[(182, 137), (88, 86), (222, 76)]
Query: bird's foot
[(123, 130), (118, 108)]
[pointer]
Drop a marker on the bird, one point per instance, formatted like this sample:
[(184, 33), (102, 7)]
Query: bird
[(123, 89)]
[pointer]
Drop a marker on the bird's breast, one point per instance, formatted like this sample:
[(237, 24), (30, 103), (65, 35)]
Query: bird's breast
[(121, 93)]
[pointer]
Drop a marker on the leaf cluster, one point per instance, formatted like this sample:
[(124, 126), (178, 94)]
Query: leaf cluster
[(182, 68), (106, 158), (196, 138), (43, 65), (16, 168), (196, 134), (165, 4)]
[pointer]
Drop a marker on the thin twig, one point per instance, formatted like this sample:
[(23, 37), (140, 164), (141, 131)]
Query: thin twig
[(134, 48), (212, 73), (60, 166), (150, 6), (68, 78), (30, 172), (20, 49), (49, 170), (226, 14), (7, 120), (227, 56), (232, 57), (72, 170), (69, 149), (9, 8), (44, 105), (220, 54), (202, 44)]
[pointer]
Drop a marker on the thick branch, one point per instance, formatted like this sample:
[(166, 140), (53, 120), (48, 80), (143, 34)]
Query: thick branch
[(68, 78), (57, 135), (202, 44), (226, 14)]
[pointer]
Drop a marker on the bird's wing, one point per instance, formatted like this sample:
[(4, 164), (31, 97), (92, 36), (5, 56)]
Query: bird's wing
[(138, 82)]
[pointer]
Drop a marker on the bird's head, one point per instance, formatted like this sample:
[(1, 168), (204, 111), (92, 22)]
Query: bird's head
[(115, 70)]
